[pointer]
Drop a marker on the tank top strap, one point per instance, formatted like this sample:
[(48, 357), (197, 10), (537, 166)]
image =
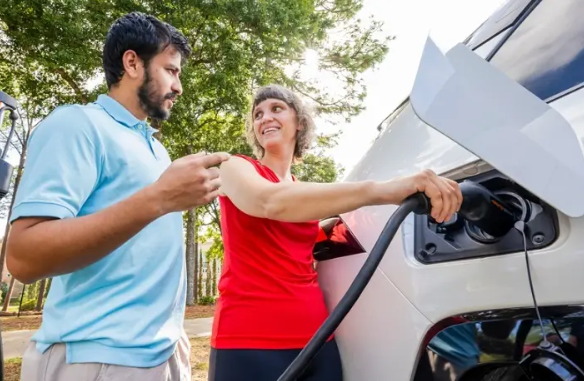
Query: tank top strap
[(261, 169)]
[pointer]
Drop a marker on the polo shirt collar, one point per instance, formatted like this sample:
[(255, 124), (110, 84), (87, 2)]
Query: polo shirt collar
[(121, 114)]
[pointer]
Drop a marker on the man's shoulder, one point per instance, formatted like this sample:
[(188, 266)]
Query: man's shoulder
[(69, 120), (77, 112)]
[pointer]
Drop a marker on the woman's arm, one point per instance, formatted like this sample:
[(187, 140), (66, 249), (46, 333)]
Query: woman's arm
[(300, 201)]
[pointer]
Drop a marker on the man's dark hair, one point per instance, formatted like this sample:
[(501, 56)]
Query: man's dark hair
[(144, 34)]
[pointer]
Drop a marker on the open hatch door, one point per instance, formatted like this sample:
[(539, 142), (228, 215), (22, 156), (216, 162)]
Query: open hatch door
[(471, 102)]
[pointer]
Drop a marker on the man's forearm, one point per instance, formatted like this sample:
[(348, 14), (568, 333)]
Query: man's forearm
[(48, 248)]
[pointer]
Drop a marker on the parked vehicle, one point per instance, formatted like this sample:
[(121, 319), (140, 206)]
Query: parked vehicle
[(455, 301)]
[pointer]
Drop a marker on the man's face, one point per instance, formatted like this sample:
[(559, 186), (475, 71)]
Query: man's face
[(161, 85)]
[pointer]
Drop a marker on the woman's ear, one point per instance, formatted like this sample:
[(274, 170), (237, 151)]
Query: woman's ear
[(300, 125)]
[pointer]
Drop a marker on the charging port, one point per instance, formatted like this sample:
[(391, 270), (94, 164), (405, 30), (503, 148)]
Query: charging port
[(480, 235)]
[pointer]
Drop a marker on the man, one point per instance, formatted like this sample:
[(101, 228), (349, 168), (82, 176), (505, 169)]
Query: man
[(99, 210)]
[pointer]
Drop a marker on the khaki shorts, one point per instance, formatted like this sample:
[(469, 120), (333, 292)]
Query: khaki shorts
[(51, 366)]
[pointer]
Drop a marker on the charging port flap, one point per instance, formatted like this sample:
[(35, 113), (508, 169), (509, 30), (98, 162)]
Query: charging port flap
[(467, 99)]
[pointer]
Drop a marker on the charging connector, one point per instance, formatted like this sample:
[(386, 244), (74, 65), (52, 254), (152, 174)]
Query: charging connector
[(485, 210)]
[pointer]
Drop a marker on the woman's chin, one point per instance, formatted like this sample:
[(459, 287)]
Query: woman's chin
[(272, 144)]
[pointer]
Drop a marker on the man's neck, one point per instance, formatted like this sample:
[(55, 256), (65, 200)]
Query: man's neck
[(129, 100)]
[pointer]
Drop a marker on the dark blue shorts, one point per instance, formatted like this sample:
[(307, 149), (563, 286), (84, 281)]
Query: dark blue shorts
[(268, 365)]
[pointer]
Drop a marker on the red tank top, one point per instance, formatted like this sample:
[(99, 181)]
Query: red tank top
[(269, 294)]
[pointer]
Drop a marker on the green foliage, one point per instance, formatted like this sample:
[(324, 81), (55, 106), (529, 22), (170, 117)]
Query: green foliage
[(51, 50), (28, 304), (207, 300), (3, 290), (318, 169), (238, 45), (32, 290), (213, 235)]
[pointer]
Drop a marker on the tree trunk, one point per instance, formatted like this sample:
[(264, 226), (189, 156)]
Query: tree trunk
[(195, 261), (7, 228), (8, 295), (41, 296), (214, 277), (208, 278), (200, 275), (49, 283), (191, 258)]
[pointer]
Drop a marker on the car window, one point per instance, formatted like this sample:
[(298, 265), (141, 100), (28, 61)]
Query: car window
[(545, 53), (486, 48), (502, 18)]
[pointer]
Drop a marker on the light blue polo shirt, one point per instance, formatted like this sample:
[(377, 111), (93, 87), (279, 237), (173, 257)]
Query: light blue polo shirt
[(128, 308)]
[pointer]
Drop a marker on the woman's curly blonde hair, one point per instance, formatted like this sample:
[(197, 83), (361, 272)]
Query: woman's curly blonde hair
[(305, 135)]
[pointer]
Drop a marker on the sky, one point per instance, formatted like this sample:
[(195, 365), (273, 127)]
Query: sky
[(410, 22)]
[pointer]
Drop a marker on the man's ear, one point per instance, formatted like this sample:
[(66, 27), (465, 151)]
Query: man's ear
[(133, 65)]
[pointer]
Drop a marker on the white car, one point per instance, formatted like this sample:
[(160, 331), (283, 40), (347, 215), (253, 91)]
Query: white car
[(504, 110)]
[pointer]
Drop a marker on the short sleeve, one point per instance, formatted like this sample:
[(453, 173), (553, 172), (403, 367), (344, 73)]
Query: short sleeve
[(62, 166)]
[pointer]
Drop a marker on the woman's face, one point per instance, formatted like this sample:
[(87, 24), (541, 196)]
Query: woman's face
[(275, 124)]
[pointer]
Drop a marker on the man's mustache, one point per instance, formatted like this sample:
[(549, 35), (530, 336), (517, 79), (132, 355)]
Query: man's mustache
[(172, 96)]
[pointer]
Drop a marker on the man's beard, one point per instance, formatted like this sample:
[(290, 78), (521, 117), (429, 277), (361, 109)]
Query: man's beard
[(150, 101)]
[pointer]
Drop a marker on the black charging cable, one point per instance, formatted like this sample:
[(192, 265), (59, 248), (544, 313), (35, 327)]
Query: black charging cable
[(417, 203)]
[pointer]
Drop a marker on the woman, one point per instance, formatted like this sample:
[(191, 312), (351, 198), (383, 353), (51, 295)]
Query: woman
[(270, 303)]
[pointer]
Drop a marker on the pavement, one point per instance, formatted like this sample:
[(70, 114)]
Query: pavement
[(14, 343)]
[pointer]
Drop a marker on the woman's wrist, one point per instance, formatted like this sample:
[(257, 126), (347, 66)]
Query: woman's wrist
[(390, 192)]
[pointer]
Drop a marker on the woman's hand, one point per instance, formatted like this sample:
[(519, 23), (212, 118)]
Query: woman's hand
[(444, 194)]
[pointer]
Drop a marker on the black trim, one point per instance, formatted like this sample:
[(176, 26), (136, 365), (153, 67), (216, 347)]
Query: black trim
[(506, 320), (564, 93), (522, 16), (503, 31)]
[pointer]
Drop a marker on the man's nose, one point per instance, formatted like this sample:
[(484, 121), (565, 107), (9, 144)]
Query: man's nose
[(177, 87)]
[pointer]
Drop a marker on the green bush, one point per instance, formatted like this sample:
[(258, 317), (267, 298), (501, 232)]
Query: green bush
[(28, 305), (4, 289), (207, 300)]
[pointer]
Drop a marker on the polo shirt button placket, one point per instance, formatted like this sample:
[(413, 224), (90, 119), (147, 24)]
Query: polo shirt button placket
[(148, 135)]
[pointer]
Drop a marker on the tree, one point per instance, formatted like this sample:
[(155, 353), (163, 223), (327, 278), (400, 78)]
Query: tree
[(41, 295), (238, 45), (37, 93), (191, 250), (199, 282)]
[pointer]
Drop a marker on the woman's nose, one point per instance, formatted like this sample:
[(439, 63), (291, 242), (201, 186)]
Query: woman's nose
[(267, 117)]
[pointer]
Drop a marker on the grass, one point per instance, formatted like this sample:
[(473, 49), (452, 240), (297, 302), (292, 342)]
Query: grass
[(12, 369), (200, 348), (199, 362), (197, 312), (33, 322), (14, 323)]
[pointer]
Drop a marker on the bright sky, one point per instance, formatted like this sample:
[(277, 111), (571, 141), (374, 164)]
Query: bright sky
[(410, 21)]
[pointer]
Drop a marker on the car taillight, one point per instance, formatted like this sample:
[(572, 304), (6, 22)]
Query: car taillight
[(335, 240)]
